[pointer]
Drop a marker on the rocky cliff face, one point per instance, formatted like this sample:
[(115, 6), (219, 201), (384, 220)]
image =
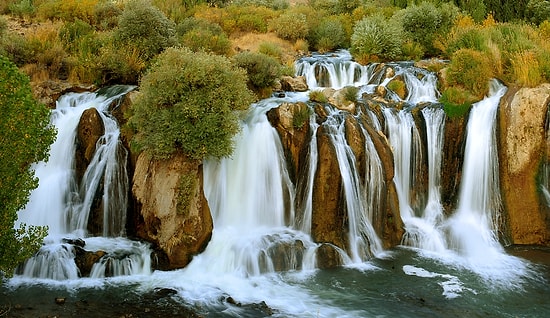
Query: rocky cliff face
[(172, 208), (523, 146)]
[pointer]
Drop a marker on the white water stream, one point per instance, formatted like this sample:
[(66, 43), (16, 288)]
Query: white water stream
[(261, 249)]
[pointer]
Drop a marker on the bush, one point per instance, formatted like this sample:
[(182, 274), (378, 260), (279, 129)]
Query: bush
[(71, 32), (135, 28), (271, 49), (262, 70), (26, 138), (426, 22), (106, 14), (471, 70), (22, 9), (189, 102), (272, 4), (376, 39), (207, 41), (537, 11), (328, 35), (290, 26)]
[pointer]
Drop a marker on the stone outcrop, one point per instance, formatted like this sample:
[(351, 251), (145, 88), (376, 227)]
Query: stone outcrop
[(294, 84), (291, 120), (523, 114), (85, 260), (173, 211), (90, 129)]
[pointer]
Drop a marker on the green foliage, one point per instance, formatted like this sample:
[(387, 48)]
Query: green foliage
[(262, 70), (106, 14), (189, 102), (456, 101), (375, 38), (301, 116), (71, 33), (272, 4), (25, 138), (271, 49), (145, 27), (506, 10), (350, 93), (471, 70), (328, 35), (475, 8), (424, 23), (318, 96), (186, 190), (22, 9), (203, 35), (291, 26), (537, 11)]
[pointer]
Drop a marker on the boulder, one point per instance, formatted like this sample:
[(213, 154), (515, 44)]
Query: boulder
[(173, 211), (523, 115), (294, 84), (85, 260), (90, 128)]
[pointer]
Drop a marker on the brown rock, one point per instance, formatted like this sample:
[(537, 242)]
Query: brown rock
[(85, 260), (292, 124), (294, 84), (90, 129), (174, 212), (522, 144)]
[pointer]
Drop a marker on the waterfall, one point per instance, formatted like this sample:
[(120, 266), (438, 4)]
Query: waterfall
[(251, 199), (63, 205), (474, 226), (335, 71), (363, 241)]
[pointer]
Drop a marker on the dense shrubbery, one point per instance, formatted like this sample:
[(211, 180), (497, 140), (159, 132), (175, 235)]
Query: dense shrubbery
[(25, 138), (189, 102), (375, 38), (328, 35), (145, 27), (291, 26), (262, 70)]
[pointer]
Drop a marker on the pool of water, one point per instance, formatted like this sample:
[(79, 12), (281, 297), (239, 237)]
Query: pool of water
[(403, 283)]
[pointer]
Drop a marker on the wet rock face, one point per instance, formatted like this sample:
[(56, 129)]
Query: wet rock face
[(522, 139), (174, 213), (85, 260), (90, 129)]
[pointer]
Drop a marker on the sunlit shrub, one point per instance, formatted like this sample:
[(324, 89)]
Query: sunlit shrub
[(471, 70), (537, 11), (317, 96), (106, 15), (189, 103), (207, 41), (22, 9), (120, 64), (290, 26), (376, 39), (272, 4), (271, 49), (456, 101), (525, 69), (328, 35), (262, 70), (71, 33), (68, 10), (424, 23), (143, 26)]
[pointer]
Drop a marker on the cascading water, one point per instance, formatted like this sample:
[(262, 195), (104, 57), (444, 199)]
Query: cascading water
[(64, 206), (261, 260)]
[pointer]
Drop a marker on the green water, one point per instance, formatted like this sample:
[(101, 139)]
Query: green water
[(403, 284)]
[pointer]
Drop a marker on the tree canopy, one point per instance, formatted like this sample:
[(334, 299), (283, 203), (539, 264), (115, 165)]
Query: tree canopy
[(189, 102), (25, 137)]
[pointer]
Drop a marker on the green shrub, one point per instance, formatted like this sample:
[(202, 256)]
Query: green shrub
[(318, 96), (467, 38), (247, 19), (135, 28), (106, 14), (350, 93), (537, 11), (26, 138), (192, 23), (471, 70), (456, 101), (475, 8), (272, 4), (376, 39), (262, 70), (426, 22), (189, 102), (290, 26), (71, 33), (271, 49), (328, 35), (207, 41), (22, 9)]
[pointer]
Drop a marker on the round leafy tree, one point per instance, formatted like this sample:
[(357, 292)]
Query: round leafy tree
[(25, 137), (189, 102)]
